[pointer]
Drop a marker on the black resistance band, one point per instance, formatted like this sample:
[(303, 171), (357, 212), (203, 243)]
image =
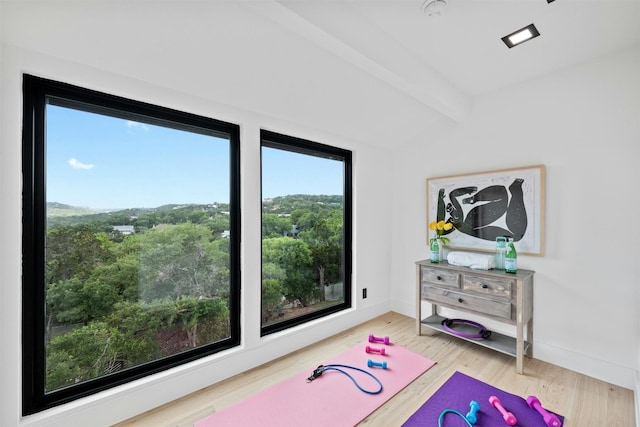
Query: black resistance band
[(336, 367)]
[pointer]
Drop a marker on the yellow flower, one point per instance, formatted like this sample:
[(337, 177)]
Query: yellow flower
[(440, 227)]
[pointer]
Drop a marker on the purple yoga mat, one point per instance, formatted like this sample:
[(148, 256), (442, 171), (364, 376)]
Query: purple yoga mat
[(461, 389)]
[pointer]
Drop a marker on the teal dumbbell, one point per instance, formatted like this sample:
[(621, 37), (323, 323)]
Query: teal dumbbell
[(371, 363)]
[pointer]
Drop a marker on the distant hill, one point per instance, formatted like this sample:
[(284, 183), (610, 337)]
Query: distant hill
[(55, 209), (312, 202), (59, 214)]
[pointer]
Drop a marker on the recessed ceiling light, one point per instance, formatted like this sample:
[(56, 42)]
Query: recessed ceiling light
[(521, 36)]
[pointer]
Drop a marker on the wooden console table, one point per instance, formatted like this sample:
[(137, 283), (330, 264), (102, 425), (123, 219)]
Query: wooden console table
[(493, 294)]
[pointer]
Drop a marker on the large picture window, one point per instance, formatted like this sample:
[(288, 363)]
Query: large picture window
[(306, 231), (130, 240)]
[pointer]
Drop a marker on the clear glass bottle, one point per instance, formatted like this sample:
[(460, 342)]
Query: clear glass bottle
[(511, 258), (501, 248), (435, 250)]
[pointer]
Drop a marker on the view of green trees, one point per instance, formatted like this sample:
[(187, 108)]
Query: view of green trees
[(116, 300), (302, 240)]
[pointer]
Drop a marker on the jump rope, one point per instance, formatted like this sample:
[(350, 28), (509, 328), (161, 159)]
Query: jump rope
[(336, 367)]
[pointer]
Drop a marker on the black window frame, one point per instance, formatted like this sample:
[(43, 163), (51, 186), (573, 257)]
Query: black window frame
[(36, 93), (303, 146)]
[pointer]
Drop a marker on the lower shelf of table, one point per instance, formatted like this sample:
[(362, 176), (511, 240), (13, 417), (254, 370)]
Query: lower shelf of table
[(497, 341)]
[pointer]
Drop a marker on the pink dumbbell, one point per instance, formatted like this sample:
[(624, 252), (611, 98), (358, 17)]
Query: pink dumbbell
[(551, 420), (373, 338), (508, 417), (379, 351)]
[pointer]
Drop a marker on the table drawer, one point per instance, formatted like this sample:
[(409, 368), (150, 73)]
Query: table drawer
[(440, 277), (493, 307), (489, 286)]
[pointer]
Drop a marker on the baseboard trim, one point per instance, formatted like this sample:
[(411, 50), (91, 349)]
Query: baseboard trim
[(636, 394), (603, 370), (585, 364)]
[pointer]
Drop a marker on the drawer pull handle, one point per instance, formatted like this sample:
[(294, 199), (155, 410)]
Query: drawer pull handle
[(460, 300)]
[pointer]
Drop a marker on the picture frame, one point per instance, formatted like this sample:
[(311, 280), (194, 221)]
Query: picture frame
[(484, 205)]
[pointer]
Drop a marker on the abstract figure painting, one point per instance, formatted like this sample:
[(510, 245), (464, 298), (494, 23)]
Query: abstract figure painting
[(482, 206)]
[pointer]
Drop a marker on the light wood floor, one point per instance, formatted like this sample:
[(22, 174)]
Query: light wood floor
[(584, 401)]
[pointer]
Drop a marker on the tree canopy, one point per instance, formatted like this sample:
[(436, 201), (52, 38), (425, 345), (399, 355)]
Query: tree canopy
[(115, 300)]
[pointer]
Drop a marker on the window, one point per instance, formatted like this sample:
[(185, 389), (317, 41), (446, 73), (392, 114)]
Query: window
[(306, 231), (130, 240)]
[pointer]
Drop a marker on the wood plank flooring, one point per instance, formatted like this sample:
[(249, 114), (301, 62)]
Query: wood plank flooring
[(584, 401)]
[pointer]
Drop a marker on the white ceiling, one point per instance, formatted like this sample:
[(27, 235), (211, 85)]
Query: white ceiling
[(464, 45), (363, 68)]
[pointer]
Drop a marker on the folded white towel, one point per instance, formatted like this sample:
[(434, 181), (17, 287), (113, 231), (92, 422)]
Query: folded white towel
[(471, 260)]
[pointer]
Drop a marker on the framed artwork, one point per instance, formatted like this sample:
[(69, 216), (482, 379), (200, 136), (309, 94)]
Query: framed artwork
[(484, 205)]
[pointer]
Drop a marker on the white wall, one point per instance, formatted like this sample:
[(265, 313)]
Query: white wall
[(583, 124), (371, 244)]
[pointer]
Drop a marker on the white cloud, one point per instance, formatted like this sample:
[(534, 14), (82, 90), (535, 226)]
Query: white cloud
[(131, 125), (74, 163)]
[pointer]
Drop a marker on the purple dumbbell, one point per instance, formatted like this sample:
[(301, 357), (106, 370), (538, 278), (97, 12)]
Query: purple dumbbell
[(373, 338), (551, 420)]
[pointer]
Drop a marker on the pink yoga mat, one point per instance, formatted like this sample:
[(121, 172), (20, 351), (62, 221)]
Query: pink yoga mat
[(332, 400)]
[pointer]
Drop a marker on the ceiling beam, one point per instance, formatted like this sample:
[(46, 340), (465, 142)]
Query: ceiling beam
[(404, 72)]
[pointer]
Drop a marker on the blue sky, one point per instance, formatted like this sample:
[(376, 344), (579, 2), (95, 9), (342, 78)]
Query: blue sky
[(286, 173), (103, 162)]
